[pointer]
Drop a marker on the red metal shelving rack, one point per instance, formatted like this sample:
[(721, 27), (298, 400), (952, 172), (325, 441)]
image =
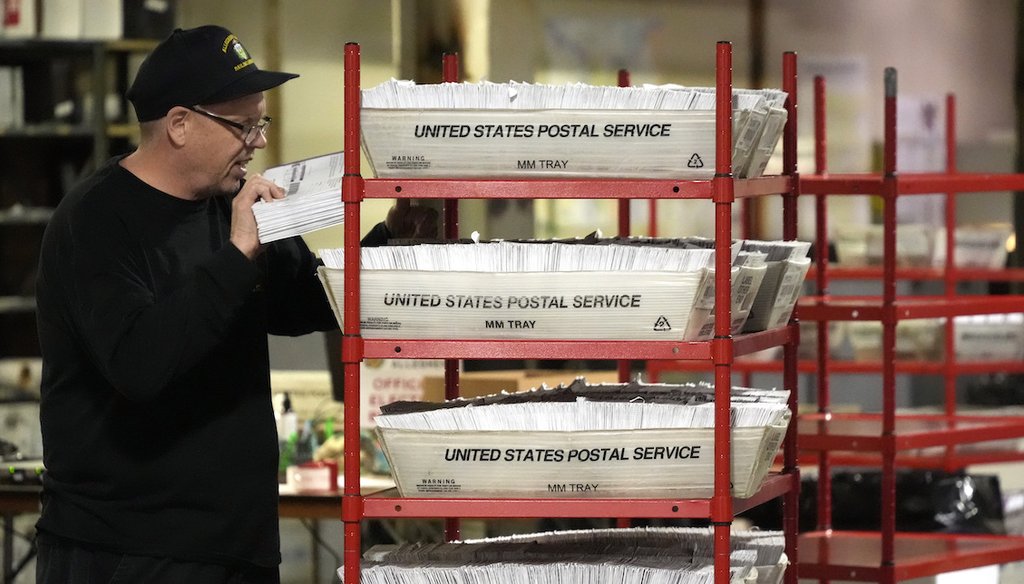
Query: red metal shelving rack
[(878, 439), (722, 191)]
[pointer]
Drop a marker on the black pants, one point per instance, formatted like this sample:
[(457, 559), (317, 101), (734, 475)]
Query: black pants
[(60, 561)]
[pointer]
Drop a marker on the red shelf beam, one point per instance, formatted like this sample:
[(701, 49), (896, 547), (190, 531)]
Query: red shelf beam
[(863, 432), (950, 462), (854, 555), (387, 505), (906, 307), (810, 366), (468, 188), (840, 272), (544, 349), (910, 183)]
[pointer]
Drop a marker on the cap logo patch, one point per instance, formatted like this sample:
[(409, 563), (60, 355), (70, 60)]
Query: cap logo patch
[(227, 43), (240, 51), (236, 46)]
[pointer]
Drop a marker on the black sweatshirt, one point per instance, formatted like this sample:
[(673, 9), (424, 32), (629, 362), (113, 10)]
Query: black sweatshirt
[(158, 431)]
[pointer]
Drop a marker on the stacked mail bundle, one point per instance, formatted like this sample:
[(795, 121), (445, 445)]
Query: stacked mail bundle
[(312, 198), (975, 246), (523, 290), (981, 246), (573, 130), (599, 555), (747, 274), (989, 337), (786, 267), (613, 440), (751, 260), (921, 339)]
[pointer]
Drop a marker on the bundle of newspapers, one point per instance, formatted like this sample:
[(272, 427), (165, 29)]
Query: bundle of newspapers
[(585, 288), (634, 555), (607, 440), (573, 130)]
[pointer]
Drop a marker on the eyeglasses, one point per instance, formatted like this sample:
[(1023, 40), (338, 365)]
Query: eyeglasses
[(250, 132)]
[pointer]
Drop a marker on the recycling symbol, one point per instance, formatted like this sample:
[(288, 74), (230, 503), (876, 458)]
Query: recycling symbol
[(695, 161), (662, 324)]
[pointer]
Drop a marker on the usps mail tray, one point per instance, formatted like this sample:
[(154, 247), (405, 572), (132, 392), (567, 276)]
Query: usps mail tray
[(650, 463)]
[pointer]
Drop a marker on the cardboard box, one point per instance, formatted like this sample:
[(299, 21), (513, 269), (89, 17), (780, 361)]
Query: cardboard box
[(662, 463), (480, 383), (539, 143), (403, 304)]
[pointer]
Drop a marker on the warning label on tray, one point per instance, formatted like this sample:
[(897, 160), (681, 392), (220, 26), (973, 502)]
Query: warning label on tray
[(407, 162), (431, 485), (380, 323)]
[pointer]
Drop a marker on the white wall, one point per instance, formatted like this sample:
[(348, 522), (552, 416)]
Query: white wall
[(938, 46)]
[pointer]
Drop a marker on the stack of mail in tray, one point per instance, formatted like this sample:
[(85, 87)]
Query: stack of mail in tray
[(609, 440), (312, 198), (573, 130), (598, 556), (587, 288), (786, 264), (523, 290)]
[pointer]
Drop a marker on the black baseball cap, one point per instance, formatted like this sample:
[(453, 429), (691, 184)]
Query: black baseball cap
[(197, 66)]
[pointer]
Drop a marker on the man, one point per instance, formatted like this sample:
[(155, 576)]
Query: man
[(155, 298)]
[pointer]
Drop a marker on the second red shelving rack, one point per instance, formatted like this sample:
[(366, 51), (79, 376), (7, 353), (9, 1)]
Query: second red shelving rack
[(877, 439)]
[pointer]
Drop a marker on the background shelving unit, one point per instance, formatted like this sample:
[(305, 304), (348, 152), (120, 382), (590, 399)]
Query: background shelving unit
[(884, 439), (42, 154), (722, 191)]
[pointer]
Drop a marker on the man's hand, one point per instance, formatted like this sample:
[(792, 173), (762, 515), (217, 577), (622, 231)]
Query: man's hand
[(408, 221), (244, 232)]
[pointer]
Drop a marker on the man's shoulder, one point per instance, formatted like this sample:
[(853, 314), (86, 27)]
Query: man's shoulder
[(101, 181)]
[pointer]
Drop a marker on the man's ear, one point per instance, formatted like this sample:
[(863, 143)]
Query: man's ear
[(176, 124)]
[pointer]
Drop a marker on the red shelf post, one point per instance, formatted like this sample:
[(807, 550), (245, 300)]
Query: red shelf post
[(791, 500), (624, 366), (721, 507), (824, 494), (450, 74), (890, 192), (352, 190)]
